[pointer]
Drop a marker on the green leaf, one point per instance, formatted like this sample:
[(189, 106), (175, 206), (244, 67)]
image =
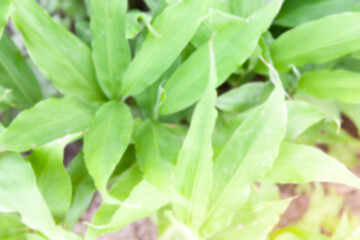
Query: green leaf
[(18, 192), (130, 189), (245, 97), (47, 121), (112, 124), (256, 221), (144, 195), (193, 173), (301, 116), (62, 57), (82, 190), (48, 166), (245, 8), (189, 82), (11, 226), (338, 85), (296, 12), (157, 147), (248, 154), (216, 21), (313, 42), (327, 133), (343, 230), (15, 74), (174, 29), (155, 5), (33, 236), (302, 164), (5, 10), (111, 52), (134, 23)]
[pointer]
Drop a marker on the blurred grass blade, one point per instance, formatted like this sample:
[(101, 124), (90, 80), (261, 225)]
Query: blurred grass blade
[(245, 97), (188, 83), (113, 124), (301, 116), (60, 55), (303, 164), (248, 154), (338, 85), (5, 10), (47, 121), (297, 12), (193, 174), (48, 166), (174, 28), (157, 147), (111, 52), (16, 74), (314, 42), (18, 191)]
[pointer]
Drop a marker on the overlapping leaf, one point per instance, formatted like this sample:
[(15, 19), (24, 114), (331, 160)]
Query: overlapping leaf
[(48, 166), (111, 52), (339, 85), (5, 9), (174, 28), (301, 116), (61, 56), (296, 12), (313, 42), (249, 153), (47, 121), (193, 174), (82, 190), (112, 124), (16, 75), (244, 97), (131, 189), (301, 164), (157, 147), (18, 192), (189, 81)]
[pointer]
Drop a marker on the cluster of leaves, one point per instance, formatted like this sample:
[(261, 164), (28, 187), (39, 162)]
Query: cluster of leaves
[(322, 221), (140, 91)]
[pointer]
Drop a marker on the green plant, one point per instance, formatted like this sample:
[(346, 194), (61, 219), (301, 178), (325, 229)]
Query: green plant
[(156, 138)]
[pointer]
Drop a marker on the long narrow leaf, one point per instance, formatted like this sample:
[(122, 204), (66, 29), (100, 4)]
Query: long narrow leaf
[(60, 55), (193, 172), (301, 164), (174, 29), (249, 153), (15, 74), (5, 9), (112, 124), (297, 12), (188, 83), (18, 191), (111, 52), (47, 121), (313, 42), (48, 166), (339, 85)]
